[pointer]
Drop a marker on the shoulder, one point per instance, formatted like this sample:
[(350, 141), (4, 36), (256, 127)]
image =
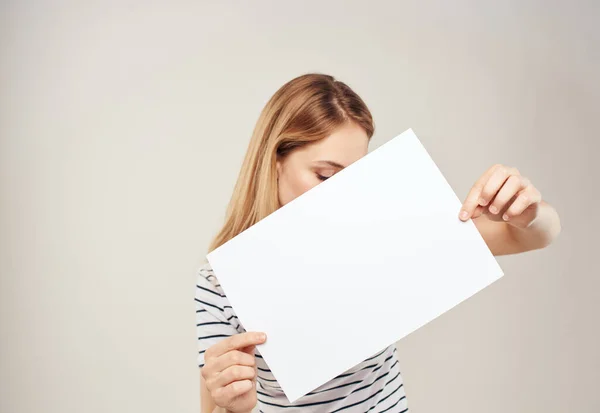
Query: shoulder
[(206, 280), (211, 300), (209, 291), (215, 319)]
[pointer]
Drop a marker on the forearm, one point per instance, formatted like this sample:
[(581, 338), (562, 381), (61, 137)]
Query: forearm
[(541, 232)]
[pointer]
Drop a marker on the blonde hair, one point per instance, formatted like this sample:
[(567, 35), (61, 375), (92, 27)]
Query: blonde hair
[(306, 109)]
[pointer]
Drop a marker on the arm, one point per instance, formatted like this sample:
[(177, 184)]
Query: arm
[(509, 212), (225, 356), (503, 239), (229, 376)]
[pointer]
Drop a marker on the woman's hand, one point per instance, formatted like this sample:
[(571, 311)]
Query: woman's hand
[(503, 194), (230, 372), (517, 218)]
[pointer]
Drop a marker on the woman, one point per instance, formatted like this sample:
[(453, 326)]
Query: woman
[(313, 127)]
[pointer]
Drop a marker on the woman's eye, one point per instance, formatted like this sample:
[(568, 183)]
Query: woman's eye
[(324, 177)]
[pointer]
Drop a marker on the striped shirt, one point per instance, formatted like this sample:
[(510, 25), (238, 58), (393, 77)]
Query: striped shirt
[(375, 385)]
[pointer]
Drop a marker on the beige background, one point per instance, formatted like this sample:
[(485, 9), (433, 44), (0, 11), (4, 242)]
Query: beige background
[(122, 130)]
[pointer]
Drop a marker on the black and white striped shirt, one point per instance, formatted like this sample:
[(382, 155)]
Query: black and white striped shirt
[(374, 386)]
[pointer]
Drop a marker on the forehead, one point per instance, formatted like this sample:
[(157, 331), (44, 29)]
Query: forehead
[(345, 145)]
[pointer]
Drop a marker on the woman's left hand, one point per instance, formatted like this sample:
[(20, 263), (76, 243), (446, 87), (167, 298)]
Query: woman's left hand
[(503, 194)]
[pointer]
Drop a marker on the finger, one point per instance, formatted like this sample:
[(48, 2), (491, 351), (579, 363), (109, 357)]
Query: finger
[(235, 342), (231, 358), (479, 210), (523, 201), (473, 197), (249, 350), (224, 396), (510, 188), (232, 374), (493, 185)]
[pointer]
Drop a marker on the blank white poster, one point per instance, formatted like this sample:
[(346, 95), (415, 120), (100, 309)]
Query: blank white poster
[(353, 265)]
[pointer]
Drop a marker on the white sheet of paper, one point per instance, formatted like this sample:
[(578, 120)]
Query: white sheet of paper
[(353, 265)]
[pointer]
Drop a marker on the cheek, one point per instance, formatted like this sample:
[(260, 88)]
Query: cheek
[(292, 186)]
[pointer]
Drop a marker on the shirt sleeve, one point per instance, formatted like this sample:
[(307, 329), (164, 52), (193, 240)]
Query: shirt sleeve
[(213, 323)]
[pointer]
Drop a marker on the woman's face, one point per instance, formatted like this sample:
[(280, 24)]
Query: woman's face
[(306, 167)]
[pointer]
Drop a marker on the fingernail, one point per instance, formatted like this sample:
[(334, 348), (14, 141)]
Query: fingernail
[(505, 217), (464, 214), (493, 210), (482, 201), (262, 336)]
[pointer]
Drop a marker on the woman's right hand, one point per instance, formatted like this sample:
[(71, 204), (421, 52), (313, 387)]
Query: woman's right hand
[(230, 372)]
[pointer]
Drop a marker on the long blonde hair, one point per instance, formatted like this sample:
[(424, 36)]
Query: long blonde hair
[(306, 109)]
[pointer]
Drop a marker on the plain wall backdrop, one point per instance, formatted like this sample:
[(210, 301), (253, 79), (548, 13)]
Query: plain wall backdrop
[(123, 126)]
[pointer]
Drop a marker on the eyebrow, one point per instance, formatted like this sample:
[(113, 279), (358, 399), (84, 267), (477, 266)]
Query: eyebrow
[(334, 164)]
